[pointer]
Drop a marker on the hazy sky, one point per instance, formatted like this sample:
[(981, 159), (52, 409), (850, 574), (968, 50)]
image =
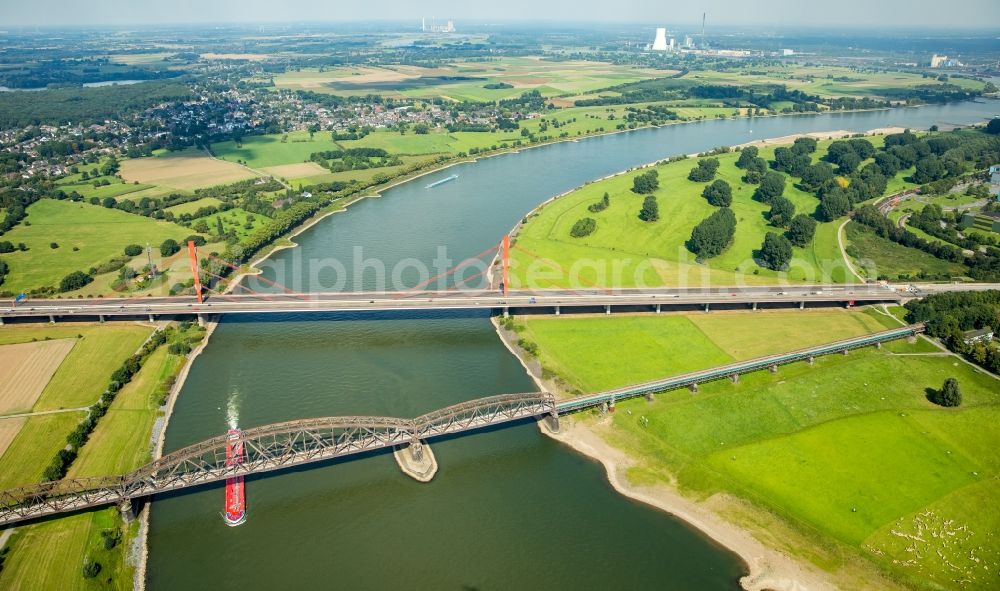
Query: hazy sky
[(770, 13)]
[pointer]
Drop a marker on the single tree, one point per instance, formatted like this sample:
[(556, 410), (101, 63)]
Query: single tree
[(719, 193), (949, 394), (776, 251), (801, 230), (650, 211), (782, 211)]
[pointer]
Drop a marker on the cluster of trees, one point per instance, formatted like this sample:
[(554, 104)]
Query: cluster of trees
[(847, 155), (646, 182), (15, 204), (85, 105), (933, 220), (984, 266), (355, 159), (950, 315), (795, 159), (719, 193), (583, 227), (801, 230), (650, 211), (704, 171), (713, 234), (754, 166), (600, 205)]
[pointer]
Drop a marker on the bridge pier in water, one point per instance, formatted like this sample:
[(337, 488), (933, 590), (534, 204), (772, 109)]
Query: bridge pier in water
[(416, 460), (551, 422)]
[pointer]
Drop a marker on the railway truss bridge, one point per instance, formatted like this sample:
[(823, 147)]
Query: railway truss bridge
[(294, 443)]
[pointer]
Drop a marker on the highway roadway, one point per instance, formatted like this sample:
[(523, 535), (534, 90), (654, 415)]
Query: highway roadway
[(449, 300)]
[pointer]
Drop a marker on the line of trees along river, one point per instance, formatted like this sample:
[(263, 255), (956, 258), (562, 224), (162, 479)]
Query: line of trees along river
[(509, 509)]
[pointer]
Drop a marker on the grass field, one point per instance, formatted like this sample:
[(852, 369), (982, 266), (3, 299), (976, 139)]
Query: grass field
[(654, 253), (115, 189), (576, 347), (882, 257), (184, 170), (193, 206), (85, 371), (851, 459), (235, 219), (97, 232), (25, 369)]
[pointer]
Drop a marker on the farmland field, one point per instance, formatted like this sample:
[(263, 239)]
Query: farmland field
[(97, 232), (466, 81), (25, 370), (185, 170), (33, 447), (84, 372), (835, 450), (8, 430), (119, 443)]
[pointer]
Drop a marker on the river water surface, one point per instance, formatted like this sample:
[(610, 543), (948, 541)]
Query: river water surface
[(508, 509)]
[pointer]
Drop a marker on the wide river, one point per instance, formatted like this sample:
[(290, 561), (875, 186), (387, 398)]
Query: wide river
[(508, 509)]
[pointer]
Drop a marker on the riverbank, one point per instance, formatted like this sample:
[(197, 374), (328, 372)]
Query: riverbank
[(767, 568), (140, 550)]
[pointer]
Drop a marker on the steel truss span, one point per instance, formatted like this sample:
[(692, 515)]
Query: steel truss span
[(270, 447)]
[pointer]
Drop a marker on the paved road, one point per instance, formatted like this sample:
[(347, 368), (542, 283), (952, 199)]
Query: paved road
[(445, 300)]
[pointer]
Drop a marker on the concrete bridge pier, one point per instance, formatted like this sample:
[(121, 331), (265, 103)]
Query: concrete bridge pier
[(416, 460), (706, 308), (127, 509), (845, 351), (657, 308), (152, 318), (774, 369), (557, 310), (650, 397), (611, 405), (607, 309), (693, 388), (506, 312), (1, 320), (878, 346), (802, 305), (735, 378), (100, 317), (52, 319), (753, 306), (551, 422), (201, 320), (810, 360)]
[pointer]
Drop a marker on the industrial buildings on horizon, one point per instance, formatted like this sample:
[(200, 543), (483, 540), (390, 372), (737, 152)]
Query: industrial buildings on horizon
[(448, 27)]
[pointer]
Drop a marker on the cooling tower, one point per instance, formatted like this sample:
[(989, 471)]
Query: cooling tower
[(660, 43)]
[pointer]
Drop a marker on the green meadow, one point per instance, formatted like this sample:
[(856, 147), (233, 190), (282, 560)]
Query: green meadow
[(87, 236), (854, 464), (626, 251)]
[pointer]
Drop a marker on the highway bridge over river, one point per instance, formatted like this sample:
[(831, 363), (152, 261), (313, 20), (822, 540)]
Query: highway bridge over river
[(307, 441), (520, 301)]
